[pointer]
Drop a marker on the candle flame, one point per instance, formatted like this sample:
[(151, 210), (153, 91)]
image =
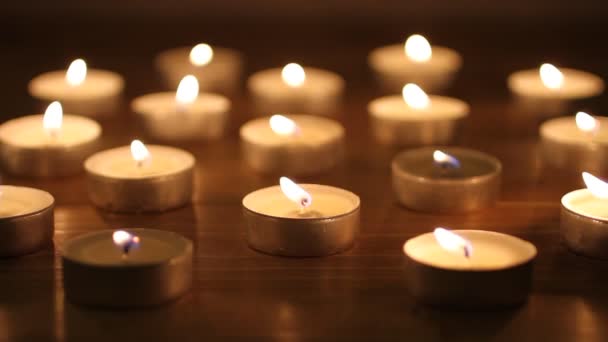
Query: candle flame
[(418, 49), (125, 240), (445, 160), (140, 152), (295, 193), (551, 76), (586, 122), (53, 119), (77, 72), (201, 54), (293, 75), (596, 186), (187, 90), (453, 242), (415, 97), (283, 125)]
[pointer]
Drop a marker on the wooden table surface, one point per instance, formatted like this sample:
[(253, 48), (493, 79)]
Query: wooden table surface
[(239, 294)]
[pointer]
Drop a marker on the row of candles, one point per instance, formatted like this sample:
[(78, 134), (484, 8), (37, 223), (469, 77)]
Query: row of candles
[(142, 267)]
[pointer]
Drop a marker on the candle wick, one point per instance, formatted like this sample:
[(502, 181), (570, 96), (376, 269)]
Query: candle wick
[(467, 252)]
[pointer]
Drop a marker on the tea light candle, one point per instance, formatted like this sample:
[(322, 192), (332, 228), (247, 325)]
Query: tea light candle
[(306, 220), (450, 180), (576, 143), (295, 89), (82, 91), (218, 69), (548, 89), (432, 67), (26, 220), (48, 145), (183, 115), (126, 268), (584, 218), (414, 118), (140, 178), (469, 269), (293, 145)]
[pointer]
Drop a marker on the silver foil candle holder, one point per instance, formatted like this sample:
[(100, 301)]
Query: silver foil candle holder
[(184, 115), (127, 268), (471, 269), (449, 180), (415, 118), (156, 178), (218, 69), (577, 143), (416, 61), (28, 148), (329, 224), (584, 218), (294, 89), (292, 144), (26, 220)]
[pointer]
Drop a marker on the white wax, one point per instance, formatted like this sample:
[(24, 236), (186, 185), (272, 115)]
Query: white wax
[(577, 84), (583, 202), (327, 202), (392, 59), (565, 130), (119, 163), (440, 108), (28, 131), (221, 73), (155, 247), (313, 131), (53, 86), (16, 201), (319, 83), (491, 251)]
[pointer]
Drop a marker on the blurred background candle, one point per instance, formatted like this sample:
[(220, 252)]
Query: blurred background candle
[(140, 178), (26, 220), (293, 144), (296, 89), (80, 90), (183, 115), (127, 268), (217, 69), (416, 61), (446, 181), (301, 220), (548, 89), (48, 145), (469, 269), (584, 218), (576, 143), (415, 118)]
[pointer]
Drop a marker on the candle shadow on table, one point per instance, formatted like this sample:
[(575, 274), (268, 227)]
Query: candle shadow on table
[(27, 310)]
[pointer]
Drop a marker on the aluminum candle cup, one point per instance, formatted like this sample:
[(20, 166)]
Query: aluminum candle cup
[(533, 95), (421, 185), (565, 146), (319, 93), (28, 150), (393, 68), (218, 71), (97, 273), (163, 119), (117, 183), (317, 146), (497, 274), (275, 225), (584, 223), (394, 122), (26, 220), (99, 93)]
